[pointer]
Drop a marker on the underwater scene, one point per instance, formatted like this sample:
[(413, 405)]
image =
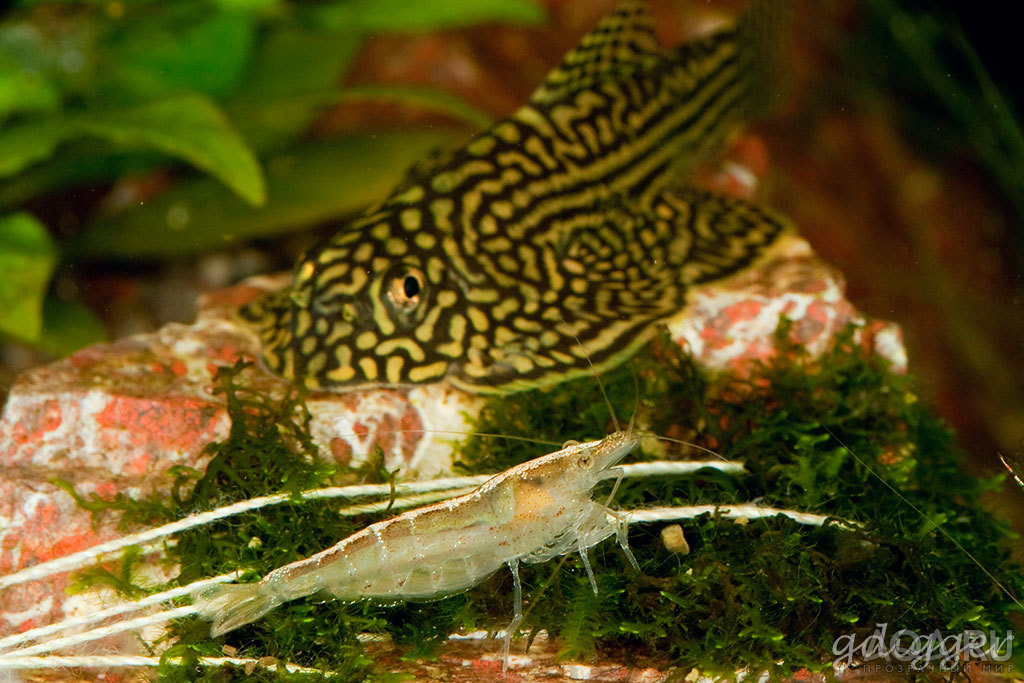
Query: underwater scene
[(510, 340)]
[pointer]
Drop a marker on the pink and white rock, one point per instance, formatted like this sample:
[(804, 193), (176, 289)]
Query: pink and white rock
[(727, 326), (114, 418)]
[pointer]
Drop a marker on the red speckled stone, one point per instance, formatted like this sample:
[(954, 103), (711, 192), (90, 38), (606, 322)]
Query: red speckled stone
[(114, 417)]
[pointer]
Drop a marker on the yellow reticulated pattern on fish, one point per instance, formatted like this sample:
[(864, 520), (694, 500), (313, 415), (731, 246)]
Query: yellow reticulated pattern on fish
[(559, 235)]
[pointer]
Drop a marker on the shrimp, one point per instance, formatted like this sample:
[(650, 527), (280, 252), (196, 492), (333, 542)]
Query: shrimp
[(532, 512)]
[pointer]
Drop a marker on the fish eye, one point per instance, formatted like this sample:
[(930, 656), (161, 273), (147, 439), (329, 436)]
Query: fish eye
[(404, 291), (584, 462), (411, 286)]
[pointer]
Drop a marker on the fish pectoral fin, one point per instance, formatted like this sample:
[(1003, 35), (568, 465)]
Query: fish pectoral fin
[(621, 43)]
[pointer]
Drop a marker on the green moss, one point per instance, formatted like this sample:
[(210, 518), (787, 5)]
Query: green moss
[(838, 436)]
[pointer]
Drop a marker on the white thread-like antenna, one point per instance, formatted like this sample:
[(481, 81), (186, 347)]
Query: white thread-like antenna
[(91, 555), (607, 401), (636, 397), (120, 661), (113, 611), (660, 514), (918, 510)]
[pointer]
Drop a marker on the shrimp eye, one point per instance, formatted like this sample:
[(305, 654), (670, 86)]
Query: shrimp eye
[(404, 290), (584, 462)]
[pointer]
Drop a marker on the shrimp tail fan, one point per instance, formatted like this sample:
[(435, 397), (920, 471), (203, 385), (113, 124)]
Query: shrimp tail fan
[(231, 606)]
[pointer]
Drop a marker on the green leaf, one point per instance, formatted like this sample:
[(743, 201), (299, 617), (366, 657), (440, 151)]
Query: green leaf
[(80, 162), (931, 520), (374, 16), (251, 6), (293, 74), (972, 614), (67, 327), (168, 51), (425, 98), (307, 185), (30, 142), (22, 90), (27, 258), (192, 128), (189, 127)]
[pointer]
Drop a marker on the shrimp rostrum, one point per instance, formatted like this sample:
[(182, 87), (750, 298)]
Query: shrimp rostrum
[(532, 512)]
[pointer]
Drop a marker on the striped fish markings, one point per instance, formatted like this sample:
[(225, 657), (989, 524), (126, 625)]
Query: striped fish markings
[(562, 233)]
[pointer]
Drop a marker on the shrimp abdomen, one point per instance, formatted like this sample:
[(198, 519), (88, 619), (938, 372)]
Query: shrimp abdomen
[(437, 565)]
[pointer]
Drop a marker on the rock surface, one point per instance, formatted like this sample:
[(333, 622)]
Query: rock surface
[(114, 417)]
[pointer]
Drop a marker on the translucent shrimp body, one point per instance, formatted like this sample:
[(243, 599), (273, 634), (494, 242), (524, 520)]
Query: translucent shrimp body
[(531, 512)]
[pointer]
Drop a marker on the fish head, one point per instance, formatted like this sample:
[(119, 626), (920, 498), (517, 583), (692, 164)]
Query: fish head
[(370, 307)]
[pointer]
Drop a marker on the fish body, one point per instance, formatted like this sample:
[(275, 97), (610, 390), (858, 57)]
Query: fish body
[(561, 234), (531, 513)]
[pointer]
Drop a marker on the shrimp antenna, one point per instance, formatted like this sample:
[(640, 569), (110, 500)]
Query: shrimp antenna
[(636, 398), (938, 527), (698, 447), (600, 384), (455, 432)]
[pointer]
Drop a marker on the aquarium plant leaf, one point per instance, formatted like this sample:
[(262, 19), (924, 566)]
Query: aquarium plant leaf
[(80, 162), (27, 258), (292, 75), (286, 82), (68, 326), (24, 90), (306, 185), (169, 51), (371, 16), (189, 127), (422, 98)]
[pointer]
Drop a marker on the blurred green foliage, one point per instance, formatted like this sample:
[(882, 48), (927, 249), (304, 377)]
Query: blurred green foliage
[(27, 257), (221, 91), (948, 95)]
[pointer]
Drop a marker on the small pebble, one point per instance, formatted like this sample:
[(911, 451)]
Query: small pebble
[(674, 539)]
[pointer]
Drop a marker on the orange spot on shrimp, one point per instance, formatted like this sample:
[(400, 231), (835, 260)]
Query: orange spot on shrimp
[(531, 500)]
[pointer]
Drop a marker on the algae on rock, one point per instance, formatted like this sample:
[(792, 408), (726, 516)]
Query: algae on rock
[(839, 435)]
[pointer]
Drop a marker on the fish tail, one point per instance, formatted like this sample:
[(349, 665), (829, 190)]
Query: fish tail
[(761, 34), (231, 606), (715, 84)]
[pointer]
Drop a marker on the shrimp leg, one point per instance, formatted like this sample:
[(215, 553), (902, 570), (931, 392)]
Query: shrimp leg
[(620, 522), (582, 547), (618, 473), (621, 535), (517, 617)]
